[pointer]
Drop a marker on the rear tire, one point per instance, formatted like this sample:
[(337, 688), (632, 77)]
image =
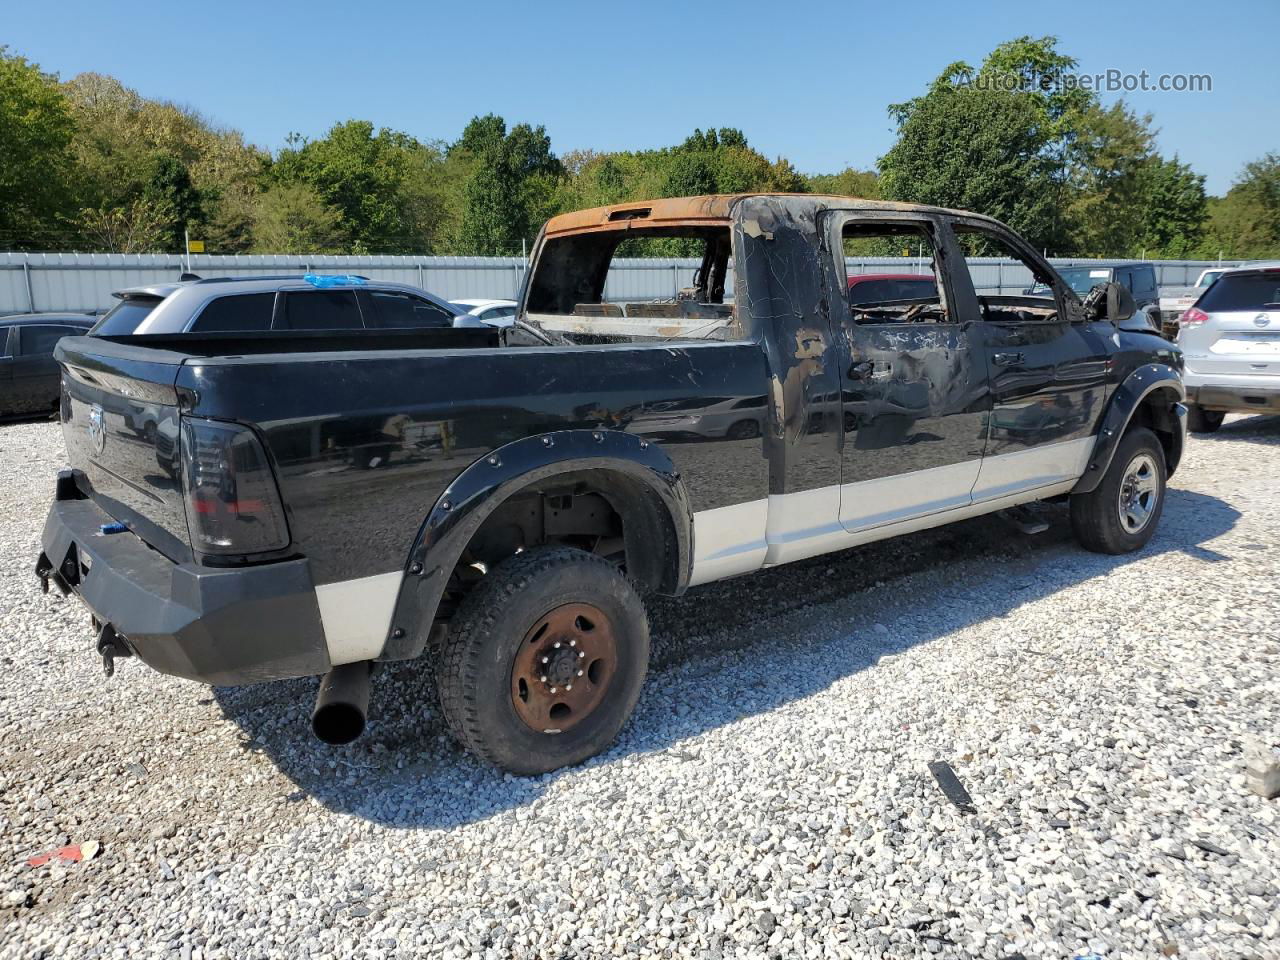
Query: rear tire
[(554, 609), (1121, 514), (1200, 420)]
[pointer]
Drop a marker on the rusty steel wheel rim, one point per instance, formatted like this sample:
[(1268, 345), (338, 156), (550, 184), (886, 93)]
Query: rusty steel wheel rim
[(563, 667)]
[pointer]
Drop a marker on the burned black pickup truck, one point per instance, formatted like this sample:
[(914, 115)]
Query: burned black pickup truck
[(314, 507)]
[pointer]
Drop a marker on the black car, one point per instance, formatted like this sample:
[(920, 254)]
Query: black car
[(500, 501), (1136, 276), (29, 376)]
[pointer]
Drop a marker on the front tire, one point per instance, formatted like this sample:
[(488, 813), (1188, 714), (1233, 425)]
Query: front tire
[(1200, 420), (544, 660), (1121, 514)]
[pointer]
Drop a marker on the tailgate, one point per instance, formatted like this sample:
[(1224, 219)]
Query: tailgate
[(1236, 342), (120, 423)]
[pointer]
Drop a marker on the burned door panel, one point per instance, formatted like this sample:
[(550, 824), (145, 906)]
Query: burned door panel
[(915, 406), (914, 394)]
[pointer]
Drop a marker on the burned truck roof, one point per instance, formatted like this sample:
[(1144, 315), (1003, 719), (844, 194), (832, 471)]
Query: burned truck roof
[(711, 209)]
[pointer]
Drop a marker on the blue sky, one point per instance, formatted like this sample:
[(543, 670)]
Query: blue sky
[(807, 81)]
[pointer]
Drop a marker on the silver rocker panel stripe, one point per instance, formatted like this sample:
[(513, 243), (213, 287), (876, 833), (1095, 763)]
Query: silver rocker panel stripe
[(357, 615)]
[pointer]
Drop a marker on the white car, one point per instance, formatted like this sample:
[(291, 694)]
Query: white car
[(1174, 301), (1230, 343), (496, 313)]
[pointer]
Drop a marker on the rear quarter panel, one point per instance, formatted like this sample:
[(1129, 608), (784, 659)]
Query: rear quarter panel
[(364, 444)]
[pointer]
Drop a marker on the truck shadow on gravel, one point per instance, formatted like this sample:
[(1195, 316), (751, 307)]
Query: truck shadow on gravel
[(1264, 430), (722, 652)]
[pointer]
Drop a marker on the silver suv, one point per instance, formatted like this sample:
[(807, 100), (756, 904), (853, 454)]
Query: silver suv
[(260, 304), (1230, 341)]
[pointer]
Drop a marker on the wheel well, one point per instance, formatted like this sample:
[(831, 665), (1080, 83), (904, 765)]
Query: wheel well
[(600, 511), (1155, 412)]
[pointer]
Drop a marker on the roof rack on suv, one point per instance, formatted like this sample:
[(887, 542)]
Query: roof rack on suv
[(282, 276)]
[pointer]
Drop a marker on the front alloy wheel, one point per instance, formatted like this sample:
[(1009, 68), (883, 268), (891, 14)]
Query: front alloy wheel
[(1139, 493), (1121, 514)]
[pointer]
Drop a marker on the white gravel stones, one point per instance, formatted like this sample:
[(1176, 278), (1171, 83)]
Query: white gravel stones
[(771, 798), (1262, 766)]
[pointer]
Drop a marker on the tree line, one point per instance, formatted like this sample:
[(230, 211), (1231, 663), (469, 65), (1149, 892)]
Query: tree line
[(88, 164)]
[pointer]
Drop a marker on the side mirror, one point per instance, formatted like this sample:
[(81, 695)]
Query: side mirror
[(1120, 304), (1109, 301)]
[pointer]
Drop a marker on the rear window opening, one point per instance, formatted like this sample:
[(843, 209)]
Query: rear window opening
[(577, 294), (1243, 291), (124, 318), (906, 296)]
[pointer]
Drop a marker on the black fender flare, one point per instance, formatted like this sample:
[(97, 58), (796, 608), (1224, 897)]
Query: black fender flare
[(488, 482), (1124, 403)]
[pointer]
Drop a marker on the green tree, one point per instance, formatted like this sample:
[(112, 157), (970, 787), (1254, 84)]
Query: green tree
[(170, 186), (360, 174), (980, 150), (847, 183), (513, 185), (1245, 224), (292, 218), (127, 148), (36, 128), (140, 226), (1174, 209), (1107, 181)]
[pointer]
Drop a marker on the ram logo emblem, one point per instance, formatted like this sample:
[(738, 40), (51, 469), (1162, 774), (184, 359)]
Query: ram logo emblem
[(97, 428)]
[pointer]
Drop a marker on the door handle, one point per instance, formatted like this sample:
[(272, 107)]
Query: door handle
[(1008, 359)]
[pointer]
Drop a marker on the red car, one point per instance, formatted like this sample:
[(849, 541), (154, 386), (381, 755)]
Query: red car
[(882, 287)]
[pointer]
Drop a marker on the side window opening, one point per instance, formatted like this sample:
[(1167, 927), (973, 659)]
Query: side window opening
[(243, 313), (40, 340), (395, 310), (1026, 295), (683, 290), (881, 294), (322, 310)]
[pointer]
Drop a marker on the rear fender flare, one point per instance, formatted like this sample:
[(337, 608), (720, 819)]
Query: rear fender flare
[(1125, 402), (487, 483)]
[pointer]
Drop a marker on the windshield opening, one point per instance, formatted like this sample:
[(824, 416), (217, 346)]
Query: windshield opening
[(1084, 279)]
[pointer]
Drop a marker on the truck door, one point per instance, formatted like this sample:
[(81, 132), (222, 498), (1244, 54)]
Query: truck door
[(1048, 367), (913, 374)]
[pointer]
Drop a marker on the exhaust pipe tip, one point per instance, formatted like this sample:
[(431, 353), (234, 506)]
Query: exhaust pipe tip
[(342, 704)]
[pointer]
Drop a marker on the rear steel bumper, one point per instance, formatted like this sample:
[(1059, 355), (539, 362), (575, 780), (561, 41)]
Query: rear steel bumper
[(220, 626)]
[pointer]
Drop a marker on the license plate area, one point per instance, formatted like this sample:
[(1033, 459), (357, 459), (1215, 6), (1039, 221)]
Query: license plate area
[(1267, 345)]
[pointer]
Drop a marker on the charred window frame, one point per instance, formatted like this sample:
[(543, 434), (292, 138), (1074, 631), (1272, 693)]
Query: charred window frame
[(566, 286), (967, 298), (833, 228)]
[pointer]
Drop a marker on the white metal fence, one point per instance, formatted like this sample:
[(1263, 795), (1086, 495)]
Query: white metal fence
[(83, 282)]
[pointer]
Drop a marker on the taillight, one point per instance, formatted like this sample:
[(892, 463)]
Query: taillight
[(233, 506), (1193, 317)]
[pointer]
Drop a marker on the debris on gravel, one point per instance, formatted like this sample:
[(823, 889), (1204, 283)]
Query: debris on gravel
[(772, 797)]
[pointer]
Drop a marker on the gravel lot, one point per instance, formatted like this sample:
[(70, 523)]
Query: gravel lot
[(770, 798)]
